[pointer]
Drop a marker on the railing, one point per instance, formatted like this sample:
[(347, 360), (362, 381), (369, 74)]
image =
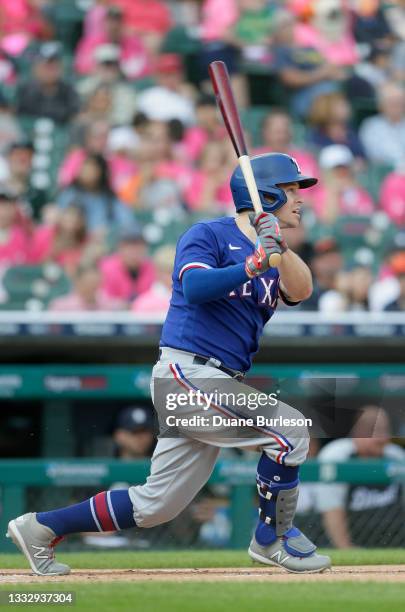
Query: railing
[(126, 324)]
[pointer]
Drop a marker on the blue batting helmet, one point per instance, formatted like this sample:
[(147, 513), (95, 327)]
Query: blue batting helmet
[(270, 171)]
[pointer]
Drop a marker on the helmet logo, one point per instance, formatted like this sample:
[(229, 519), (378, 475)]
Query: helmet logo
[(296, 164)]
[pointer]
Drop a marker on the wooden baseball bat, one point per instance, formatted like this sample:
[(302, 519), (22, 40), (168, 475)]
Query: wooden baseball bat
[(226, 102)]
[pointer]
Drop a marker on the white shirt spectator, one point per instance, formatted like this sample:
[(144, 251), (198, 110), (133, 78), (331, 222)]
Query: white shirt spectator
[(383, 141), (334, 495), (162, 104)]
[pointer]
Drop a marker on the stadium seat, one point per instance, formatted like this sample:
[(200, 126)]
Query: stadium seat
[(372, 177), (31, 284)]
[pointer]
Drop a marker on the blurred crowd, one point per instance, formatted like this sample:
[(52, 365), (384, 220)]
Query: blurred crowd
[(111, 144)]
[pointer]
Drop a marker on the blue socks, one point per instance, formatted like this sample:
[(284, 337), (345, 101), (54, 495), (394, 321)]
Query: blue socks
[(106, 511), (271, 478)]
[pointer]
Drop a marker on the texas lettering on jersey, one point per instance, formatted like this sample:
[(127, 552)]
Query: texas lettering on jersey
[(229, 328), (266, 291)]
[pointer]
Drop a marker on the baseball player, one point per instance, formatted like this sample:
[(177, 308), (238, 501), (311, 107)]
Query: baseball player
[(224, 291)]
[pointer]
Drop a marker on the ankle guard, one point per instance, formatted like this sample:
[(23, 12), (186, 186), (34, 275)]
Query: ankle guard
[(277, 504)]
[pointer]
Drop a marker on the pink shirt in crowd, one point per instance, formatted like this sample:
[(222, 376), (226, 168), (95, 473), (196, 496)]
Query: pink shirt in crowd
[(41, 248), (15, 249), (73, 302), (354, 201), (118, 283), (217, 17), (121, 168), (20, 16), (134, 60), (154, 301), (341, 52), (180, 173), (223, 194), (150, 16), (392, 197), (195, 140)]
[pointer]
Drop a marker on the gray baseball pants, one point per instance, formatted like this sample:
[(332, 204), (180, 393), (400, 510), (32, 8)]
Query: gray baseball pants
[(182, 465)]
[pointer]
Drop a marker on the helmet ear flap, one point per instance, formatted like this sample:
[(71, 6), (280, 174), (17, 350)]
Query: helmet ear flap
[(278, 196)]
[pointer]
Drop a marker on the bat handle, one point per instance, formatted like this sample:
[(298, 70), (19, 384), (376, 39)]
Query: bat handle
[(275, 260)]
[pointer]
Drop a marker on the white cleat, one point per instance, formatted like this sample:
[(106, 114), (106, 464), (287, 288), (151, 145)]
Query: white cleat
[(36, 542)]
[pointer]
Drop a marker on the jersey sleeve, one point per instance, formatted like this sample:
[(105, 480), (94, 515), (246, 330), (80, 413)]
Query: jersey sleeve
[(197, 248)]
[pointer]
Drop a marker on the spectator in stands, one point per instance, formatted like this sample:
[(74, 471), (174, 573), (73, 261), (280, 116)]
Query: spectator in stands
[(156, 299), (108, 73), (133, 59), (383, 136), (94, 141), (329, 118), (62, 242), (19, 160), (377, 67), (207, 127), (92, 191), (326, 27), (325, 263), (386, 288), (19, 166), (351, 293), (253, 29), (128, 272), (392, 195), (10, 130), (97, 106), (171, 97), (150, 20), (209, 188), (47, 94), (339, 193), (218, 18), (14, 238), (21, 22), (277, 135), (369, 23), (302, 70), (134, 433), (377, 508), (161, 180), (87, 294), (398, 268)]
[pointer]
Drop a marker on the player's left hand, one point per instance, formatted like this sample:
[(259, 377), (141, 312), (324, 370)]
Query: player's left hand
[(268, 230)]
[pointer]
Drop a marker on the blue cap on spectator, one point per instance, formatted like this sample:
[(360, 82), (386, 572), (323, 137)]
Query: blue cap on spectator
[(135, 418)]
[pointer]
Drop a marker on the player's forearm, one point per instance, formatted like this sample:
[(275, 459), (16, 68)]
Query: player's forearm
[(335, 523), (206, 285), (295, 277)]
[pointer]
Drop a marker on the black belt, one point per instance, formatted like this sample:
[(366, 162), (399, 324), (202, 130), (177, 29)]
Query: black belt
[(234, 373), (200, 360)]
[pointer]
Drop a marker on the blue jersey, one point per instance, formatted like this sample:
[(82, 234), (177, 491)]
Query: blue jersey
[(229, 328)]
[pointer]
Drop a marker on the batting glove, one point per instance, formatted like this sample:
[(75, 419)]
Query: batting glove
[(269, 241), (268, 229), (259, 262)]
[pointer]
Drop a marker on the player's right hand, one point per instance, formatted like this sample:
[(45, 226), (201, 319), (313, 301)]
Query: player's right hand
[(259, 262)]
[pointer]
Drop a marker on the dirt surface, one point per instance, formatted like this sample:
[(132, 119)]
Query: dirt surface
[(372, 573)]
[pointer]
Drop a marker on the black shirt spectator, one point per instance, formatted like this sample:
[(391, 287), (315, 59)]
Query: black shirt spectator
[(47, 94)]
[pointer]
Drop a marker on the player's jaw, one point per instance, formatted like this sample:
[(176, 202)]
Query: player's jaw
[(289, 215)]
